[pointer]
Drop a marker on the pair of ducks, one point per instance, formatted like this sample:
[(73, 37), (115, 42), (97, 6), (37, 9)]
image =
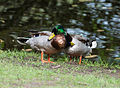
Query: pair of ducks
[(58, 40)]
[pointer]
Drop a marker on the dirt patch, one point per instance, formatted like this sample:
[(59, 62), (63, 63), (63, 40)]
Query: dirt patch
[(83, 69), (74, 67), (68, 67)]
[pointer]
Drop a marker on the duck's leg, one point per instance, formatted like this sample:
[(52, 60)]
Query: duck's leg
[(80, 59), (70, 58), (43, 61), (49, 59)]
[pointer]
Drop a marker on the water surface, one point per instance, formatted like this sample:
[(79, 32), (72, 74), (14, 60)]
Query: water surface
[(99, 18)]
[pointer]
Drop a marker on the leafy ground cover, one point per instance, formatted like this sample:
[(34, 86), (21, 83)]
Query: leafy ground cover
[(19, 69)]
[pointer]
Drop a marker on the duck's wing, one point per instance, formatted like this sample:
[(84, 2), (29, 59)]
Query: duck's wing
[(46, 33), (39, 33), (80, 38), (91, 42)]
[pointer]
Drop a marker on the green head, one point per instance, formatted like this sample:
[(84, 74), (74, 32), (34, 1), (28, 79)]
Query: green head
[(59, 29)]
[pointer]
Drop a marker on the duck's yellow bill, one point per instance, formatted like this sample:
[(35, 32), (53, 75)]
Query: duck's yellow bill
[(52, 36), (72, 44)]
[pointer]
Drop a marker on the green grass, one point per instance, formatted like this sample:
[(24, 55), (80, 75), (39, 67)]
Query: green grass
[(20, 69)]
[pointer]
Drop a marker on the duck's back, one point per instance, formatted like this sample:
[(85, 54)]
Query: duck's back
[(41, 43)]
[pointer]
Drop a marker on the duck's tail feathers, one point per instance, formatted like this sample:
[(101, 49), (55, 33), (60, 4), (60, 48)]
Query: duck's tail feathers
[(93, 44), (20, 40)]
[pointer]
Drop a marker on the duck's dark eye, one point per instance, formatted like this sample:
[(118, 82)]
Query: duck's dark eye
[(59, 27)]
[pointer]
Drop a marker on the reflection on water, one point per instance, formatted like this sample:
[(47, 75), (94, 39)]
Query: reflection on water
[(100, 18)]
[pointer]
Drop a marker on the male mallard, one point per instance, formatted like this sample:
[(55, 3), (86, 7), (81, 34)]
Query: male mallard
[(59, 29), (82, 46), (40, 41)]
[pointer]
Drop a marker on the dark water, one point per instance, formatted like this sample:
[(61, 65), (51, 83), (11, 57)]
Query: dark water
[(99, 18)]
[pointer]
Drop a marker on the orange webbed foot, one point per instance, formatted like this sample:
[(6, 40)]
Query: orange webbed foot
[(51, 62)]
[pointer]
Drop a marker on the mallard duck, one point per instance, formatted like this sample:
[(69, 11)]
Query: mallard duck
[(82, 46), (40, 41), (59, 29), (76, 44)]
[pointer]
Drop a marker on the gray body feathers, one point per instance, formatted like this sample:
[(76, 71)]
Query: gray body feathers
[(41, 43), (78, 49)]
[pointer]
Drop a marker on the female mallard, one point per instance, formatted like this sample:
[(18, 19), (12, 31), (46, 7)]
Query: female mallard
[(82, 46), (40, 41)]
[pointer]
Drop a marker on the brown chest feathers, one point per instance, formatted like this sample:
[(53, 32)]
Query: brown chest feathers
[(59, 41)]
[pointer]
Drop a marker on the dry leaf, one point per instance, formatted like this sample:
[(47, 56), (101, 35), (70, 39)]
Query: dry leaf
[(100, 30), (91, 56)]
